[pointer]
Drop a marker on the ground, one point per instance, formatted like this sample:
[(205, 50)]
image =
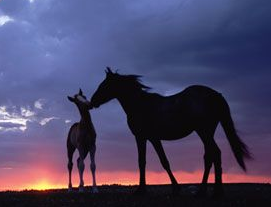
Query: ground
[(158, 195)]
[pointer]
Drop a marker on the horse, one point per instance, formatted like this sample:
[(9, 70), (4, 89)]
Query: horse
[(153, 117), (82, 136)]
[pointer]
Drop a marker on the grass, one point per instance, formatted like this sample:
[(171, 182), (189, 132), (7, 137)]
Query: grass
[(158, 195)]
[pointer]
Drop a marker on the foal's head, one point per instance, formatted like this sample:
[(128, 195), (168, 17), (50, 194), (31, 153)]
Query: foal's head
[(114, 86), (80, 101)]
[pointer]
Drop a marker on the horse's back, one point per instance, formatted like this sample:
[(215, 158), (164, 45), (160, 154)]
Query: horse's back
[(198, 101), (194, 91), (177, 115)]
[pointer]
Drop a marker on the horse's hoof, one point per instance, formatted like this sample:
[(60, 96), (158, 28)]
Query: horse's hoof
[(218, 193), (175, 190), (140, 191), (94, 190), (193, 189), (202, 193)]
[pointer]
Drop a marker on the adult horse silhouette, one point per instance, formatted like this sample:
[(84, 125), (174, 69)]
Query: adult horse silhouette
[(153, 117), (82, 136)]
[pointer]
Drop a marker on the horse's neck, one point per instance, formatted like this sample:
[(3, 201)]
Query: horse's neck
[(132, 102)]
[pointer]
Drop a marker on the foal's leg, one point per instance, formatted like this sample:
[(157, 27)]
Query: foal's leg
[(81, 167), (141, 147), (70, 149), (93, 168), (164, 161)]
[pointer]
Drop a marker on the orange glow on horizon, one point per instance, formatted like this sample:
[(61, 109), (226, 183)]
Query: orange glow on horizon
[(42, 185), (44, 179)]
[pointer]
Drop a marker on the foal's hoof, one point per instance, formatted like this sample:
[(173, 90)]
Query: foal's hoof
[(94, 190), (140, 191), (81, 189)]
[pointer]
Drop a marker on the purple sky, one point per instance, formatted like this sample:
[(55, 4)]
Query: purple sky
[(50, 48)]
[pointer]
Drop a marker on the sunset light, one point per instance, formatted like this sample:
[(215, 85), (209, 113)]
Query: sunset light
[(42, 185), (59, 181)]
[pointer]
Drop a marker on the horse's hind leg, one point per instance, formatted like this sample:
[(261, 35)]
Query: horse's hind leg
[(212, 155), (70, 150), (164, 161), (218, 172), (207, 167), (93, 168)]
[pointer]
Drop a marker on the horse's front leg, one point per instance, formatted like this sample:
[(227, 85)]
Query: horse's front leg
[(164, 161), (141, 147)]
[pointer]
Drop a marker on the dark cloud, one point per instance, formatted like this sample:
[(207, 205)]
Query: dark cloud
[(54, 47)]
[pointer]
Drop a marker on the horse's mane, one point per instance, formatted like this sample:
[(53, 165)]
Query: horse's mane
[(134, 81)]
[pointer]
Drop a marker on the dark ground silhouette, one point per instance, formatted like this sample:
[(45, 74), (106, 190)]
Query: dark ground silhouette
[(236, 195)]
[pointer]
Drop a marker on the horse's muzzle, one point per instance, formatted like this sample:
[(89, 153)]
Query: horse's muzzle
[(92, 105)]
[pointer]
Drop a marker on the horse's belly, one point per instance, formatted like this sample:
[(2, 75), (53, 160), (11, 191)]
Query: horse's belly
[(172, 133), (164, 132)]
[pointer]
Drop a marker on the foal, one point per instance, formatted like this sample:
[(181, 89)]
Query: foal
[(82, 136)]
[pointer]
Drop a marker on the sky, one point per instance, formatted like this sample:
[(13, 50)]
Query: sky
[(50, 48)]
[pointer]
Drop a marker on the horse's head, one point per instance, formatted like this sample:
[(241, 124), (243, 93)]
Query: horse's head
[(116, 86), (107, 90), (80, 100)]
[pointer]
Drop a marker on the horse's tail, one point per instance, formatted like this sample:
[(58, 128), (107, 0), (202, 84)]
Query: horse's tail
[(238, 147)]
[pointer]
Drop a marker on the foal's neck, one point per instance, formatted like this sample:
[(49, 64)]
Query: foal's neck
[(85, 117)]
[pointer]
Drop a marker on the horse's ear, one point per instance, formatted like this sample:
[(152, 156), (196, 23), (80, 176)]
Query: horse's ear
[(108, 71), (71, 99), (80, 92)]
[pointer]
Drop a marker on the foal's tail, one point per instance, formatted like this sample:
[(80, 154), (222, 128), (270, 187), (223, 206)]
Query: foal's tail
[(239, 148)]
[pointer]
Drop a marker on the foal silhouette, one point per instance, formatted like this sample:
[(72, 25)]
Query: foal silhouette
[(153, 117), (82, 136)]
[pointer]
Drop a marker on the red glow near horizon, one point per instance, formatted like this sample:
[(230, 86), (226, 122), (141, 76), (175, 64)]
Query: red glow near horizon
[(42, 179)]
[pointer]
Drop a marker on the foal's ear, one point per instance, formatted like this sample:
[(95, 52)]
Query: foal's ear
[(71, 99), (80, 92)]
